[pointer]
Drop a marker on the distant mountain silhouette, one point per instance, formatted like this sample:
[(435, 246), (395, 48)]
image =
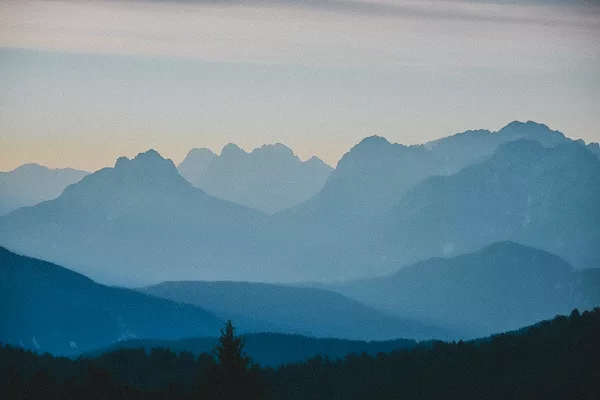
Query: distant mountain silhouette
[(139, 222), (194, 166), (49, 308), (385, 206), (543, 197), (31, 184), (270, 178), (501, 287), (355, 226), (274, 349), (307, 311), (455, 152), (371, 177)]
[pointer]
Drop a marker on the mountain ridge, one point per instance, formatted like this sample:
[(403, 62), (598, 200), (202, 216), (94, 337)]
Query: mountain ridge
[(269, 178), (291, 309), (31, 184), (140, 222), (498, 288), (139, 213), (47, 307)]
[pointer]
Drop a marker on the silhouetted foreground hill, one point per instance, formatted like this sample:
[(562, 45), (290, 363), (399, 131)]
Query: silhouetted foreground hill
[(274, 349), (269, 178), (556, 359), (501, 287), (285, 309), (47, 307), (31, 184)]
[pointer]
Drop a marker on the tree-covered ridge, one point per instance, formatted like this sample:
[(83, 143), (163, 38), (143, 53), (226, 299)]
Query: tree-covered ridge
[(556, 359), (271, 349)]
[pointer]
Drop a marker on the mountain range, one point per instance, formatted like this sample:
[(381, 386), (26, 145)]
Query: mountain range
[(499, 288), (542, 197), (272, 349), (31, 184), (139, 221), (375, 173), (301, 310), (545, 197), (473, 234), (385, 206), (502, 287), (48, 308), (270, 178)]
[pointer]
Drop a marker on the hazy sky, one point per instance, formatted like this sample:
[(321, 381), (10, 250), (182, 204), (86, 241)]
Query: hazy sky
[(83, 82)]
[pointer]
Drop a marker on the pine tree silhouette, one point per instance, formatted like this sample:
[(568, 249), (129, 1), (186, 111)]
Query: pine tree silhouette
[(237, 378)]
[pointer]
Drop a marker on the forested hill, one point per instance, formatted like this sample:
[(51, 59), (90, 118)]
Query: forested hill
[(556, 359), (272, 349)]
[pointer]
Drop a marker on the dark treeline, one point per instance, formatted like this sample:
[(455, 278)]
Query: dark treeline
[(555, 359)]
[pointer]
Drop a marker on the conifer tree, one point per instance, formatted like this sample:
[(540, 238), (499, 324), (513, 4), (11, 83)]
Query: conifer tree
[(236, 377)]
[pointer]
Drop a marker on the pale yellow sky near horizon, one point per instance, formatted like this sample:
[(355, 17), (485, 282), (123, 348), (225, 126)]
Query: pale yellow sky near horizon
[(84, 82)]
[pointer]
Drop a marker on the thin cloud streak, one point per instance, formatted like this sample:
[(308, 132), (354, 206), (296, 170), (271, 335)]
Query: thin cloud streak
[(383, 33), (580, 13)]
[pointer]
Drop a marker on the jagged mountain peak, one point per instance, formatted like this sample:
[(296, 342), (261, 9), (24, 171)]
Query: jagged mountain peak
[(532, 130), (527, 124), (270, 178), (380, 147), (375, 151), (276, 149), (232, 149), (316, 161), (148, 171), (196, 162), (150, 159)]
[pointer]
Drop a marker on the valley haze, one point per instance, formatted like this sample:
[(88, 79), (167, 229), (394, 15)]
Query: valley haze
[(417, 241)]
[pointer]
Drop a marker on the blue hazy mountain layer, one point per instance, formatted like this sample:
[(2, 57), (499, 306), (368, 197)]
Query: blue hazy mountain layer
[(542, 197), (46, 307), (385, 206), (31, 184), (139, 221), (307, 311), (501, 287), (270, 178), (388, 205), (370, 178)]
